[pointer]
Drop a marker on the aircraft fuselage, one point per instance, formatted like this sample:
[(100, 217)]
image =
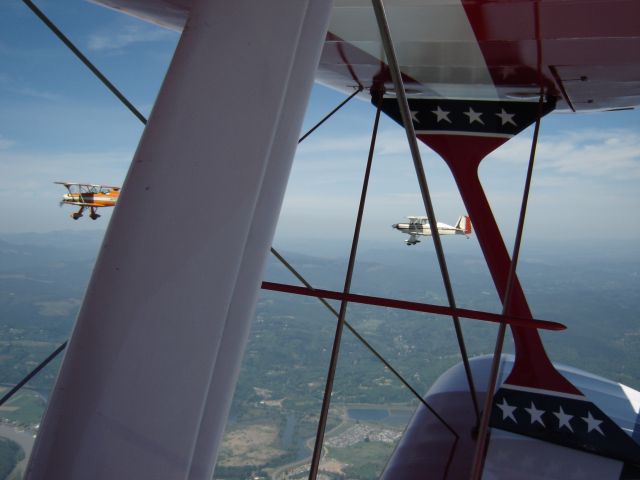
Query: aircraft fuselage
[(91, 199), (421, 226), (443, 229)]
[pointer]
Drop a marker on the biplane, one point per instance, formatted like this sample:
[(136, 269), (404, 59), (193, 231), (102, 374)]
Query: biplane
[(145, 388), (89, 195), (419, 225)]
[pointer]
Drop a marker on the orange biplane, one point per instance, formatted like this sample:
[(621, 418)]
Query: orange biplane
[(86, 195)]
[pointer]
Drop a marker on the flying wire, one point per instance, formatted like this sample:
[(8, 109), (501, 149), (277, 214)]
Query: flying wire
[(84, 59), (119, 94), (403, 104), (370, 347), (32, 374), (478, 460), (483, 431), (328, 115), (324, 412)]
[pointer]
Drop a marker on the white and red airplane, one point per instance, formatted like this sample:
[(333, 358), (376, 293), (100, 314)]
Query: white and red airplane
[(417, 226), (147, 380)]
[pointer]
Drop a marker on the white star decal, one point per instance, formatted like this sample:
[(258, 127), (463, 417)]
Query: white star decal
[(507, 410), (536, 415), (592, 423), (563, 419), (414, 115), (441, 114), (506, 117), (474, 116)]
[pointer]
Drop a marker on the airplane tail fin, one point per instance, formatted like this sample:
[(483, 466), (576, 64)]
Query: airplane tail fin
[(464, 224)]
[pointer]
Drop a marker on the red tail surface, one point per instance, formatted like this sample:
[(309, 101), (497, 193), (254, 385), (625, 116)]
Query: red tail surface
[(467, 225)]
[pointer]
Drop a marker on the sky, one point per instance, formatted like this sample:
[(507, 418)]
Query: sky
[(57, 122)]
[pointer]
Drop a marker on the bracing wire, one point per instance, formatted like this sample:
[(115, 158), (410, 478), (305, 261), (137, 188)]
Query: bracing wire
[(32, 374), (396, 75), (84, 59), (324, 412), (370, 347), (113, 89), (328, 115), (483, 430)]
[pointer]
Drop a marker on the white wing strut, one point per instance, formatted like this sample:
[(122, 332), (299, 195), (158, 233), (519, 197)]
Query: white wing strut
[(148, 376), (260, 235)]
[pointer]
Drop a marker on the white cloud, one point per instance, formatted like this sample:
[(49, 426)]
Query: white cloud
[(128, 34), (613, 154), (39, 94), (388, 142)]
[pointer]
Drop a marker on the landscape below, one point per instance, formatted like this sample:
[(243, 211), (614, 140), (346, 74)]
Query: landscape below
[(277, 400)]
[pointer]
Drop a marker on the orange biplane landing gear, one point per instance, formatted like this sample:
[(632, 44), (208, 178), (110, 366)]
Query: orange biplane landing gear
[(94, 215), (78, 214)]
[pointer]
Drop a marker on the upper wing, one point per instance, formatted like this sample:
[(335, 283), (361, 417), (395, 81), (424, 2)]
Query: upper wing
[(88, 186), (588, 50)]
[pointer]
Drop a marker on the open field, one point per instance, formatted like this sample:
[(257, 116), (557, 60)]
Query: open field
[(25, 408), (250, 445)]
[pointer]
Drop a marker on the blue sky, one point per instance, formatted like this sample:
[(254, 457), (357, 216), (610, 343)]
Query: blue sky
[(57, 122)]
